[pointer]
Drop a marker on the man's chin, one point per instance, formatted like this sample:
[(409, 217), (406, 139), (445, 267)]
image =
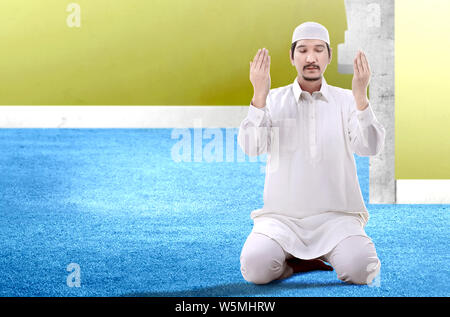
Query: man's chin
[(311, 78)]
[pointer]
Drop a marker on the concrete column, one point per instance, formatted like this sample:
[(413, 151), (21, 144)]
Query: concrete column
[(370, 27)]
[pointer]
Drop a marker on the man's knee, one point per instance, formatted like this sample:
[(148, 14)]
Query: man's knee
[(358, 262), (260, 268), (359, 271)]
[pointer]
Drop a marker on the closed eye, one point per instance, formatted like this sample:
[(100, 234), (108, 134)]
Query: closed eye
[(318, 50)]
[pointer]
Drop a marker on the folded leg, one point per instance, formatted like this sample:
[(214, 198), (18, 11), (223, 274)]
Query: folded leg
[(263, 260), (355, 260)]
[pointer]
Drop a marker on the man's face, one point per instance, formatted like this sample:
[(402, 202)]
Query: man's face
[(311, 59)]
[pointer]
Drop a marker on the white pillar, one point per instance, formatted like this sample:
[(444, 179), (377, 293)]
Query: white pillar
[(370, 27)]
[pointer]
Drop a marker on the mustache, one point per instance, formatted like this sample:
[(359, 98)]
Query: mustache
[(311, 65)]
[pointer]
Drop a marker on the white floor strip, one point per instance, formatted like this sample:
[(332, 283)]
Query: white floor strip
[(423, 191), (121, 116)]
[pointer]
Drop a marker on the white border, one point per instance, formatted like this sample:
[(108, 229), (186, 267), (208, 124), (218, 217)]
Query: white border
[(122, 116), (423, 191)]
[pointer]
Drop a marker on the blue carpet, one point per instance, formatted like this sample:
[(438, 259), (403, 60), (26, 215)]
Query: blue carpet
[(140, 224)]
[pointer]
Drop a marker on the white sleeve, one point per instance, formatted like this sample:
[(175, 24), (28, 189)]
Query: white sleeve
[(254, 131), (366, 133)]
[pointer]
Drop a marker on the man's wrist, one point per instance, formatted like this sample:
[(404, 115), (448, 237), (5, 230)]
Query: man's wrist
[(361, 102), (259, 101)]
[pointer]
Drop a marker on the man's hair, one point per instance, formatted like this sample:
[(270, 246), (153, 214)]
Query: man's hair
[(295, 44)]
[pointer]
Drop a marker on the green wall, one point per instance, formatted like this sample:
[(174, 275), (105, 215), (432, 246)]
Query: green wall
[(149, 52), (197, 52), (422, 99)]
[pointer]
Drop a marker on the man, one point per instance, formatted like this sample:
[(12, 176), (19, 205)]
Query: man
[(313, 208)]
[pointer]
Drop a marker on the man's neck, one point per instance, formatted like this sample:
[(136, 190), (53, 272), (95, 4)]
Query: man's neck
[(310, 86)]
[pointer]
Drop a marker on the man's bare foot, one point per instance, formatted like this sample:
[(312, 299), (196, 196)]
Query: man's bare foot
[(299, 265)]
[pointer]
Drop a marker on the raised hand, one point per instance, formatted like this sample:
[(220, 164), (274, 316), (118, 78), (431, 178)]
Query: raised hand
[(361, 79), (260, 77)]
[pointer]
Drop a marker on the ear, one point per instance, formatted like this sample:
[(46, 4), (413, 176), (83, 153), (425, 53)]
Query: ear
[(331, 55), (290, 58)]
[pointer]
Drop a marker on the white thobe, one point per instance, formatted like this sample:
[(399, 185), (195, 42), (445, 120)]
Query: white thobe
[(312, 197)]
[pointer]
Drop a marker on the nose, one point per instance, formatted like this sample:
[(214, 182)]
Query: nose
[(310, 58)]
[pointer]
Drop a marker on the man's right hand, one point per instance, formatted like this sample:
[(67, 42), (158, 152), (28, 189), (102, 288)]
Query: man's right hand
[(260, 77)]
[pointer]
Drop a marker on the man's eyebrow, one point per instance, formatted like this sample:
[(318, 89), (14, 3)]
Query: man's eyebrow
[(317, 45)]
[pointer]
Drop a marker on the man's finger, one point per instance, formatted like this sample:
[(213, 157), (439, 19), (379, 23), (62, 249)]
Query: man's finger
[(361, 60), (263, 59), (358, 63), (266, 61), (260, 59), (365, 62), (267, 66), (355, 67), (256, 59)]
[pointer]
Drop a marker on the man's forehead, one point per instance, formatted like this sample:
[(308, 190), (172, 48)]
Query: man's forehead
[(311, 42)]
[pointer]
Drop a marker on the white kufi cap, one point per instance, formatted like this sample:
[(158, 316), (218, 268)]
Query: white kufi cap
[(311, 31)]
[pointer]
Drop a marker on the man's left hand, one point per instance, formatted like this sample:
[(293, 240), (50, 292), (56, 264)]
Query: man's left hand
[(361, 79)]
